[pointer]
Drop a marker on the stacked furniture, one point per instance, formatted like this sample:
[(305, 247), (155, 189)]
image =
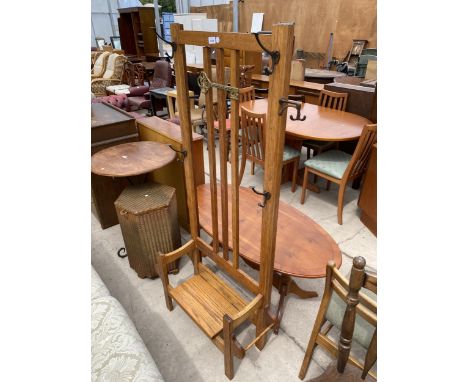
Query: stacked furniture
[(112, 75), (109, 126), (136, 28), (117, 351)]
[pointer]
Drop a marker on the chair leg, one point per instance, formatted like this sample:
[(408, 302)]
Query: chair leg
[(304, 185), (341, 193), (308, 153), (328, 185), (310, 348), (294, 179), (371, 355), (228, 357), (242, 169), (252, 168), (315, 178)]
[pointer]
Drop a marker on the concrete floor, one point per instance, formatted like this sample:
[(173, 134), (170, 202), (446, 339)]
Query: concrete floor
[(181, 351)]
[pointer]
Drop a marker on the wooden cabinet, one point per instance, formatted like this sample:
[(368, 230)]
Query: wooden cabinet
[(159, 130), (137, 31), (368, 197)]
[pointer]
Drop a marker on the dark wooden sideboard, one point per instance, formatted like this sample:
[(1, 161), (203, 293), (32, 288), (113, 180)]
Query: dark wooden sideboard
[(368, 196), (160, 130)]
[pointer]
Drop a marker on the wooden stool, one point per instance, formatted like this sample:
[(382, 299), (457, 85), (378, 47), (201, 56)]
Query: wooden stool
[(148, 219)]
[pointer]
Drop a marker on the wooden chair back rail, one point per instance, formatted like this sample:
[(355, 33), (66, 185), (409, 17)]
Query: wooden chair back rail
[(361, 154), (257, 310), (247, 94), (333, 100), (253, 133), (366, 308), (341, 285)]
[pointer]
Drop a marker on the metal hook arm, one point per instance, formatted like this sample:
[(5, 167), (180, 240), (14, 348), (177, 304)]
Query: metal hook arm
[(183, 152), (172, 44), (266, 196), (275, 55), (285, 103)]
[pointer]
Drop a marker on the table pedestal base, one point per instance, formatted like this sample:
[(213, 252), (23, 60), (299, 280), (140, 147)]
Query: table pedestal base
[(285, 285)]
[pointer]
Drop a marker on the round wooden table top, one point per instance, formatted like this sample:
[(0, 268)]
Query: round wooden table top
[(303, 248), (321, 123), (130, 159)]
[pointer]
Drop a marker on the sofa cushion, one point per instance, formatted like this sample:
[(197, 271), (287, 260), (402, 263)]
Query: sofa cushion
[(117, 350), (110, 66), (98, 288)]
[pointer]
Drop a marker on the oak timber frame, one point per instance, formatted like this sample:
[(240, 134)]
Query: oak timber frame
[(186, 294)]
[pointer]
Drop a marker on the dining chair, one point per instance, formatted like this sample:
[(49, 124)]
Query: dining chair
[(339, 167), (350, 305), (332, 100), (253, 128), (196, 113)]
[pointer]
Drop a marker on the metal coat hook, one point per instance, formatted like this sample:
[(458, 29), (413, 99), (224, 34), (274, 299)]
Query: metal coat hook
[(266, 196), (183, 152), (275, 55), (172, 44), (285, 103)]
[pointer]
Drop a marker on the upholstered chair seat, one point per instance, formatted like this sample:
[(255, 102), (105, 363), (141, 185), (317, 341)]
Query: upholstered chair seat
[(290, 153), (333, 163)]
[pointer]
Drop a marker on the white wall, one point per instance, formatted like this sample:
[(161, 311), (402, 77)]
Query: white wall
[(202, 3)]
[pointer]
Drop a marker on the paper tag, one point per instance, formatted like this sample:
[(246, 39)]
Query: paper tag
[(213, 40)]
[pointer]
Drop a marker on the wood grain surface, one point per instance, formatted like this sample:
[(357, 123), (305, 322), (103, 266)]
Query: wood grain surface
[(303, 248), (130, 159), (321, 123)]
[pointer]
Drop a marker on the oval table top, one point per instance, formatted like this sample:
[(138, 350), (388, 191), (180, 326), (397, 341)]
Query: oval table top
[(131, 159), (303, 248), (321, 123)]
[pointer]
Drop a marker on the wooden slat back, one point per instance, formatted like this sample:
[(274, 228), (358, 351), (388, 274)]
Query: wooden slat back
[(282, 41), (235, 81), (246, 94), (222, 151), (210, 117), (333, 100), (361, 154), (253, 134)]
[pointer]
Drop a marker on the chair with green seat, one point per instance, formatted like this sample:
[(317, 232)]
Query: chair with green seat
[(350, 305), (339, 167), (253, 127), (332, 100)]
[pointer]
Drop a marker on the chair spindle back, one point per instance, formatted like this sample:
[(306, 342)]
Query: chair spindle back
[(333, 100)]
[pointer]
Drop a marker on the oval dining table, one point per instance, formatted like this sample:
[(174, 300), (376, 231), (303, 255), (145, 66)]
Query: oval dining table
[(321, 124)]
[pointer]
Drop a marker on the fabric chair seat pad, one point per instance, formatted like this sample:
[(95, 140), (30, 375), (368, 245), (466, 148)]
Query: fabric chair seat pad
[(333, 163), (363, 331), (290, 153)]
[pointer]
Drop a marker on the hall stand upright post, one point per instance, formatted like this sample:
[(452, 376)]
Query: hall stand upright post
[(216, 307)]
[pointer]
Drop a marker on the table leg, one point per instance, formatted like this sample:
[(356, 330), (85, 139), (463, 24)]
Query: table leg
[(285, 285)]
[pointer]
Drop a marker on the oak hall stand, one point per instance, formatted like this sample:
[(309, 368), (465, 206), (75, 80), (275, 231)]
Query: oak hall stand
[(211, 303)]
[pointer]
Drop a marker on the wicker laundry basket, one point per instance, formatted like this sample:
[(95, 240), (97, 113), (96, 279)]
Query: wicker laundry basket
[(148, 219)]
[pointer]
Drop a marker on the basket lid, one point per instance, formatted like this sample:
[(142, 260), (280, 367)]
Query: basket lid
[(143, 198)]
